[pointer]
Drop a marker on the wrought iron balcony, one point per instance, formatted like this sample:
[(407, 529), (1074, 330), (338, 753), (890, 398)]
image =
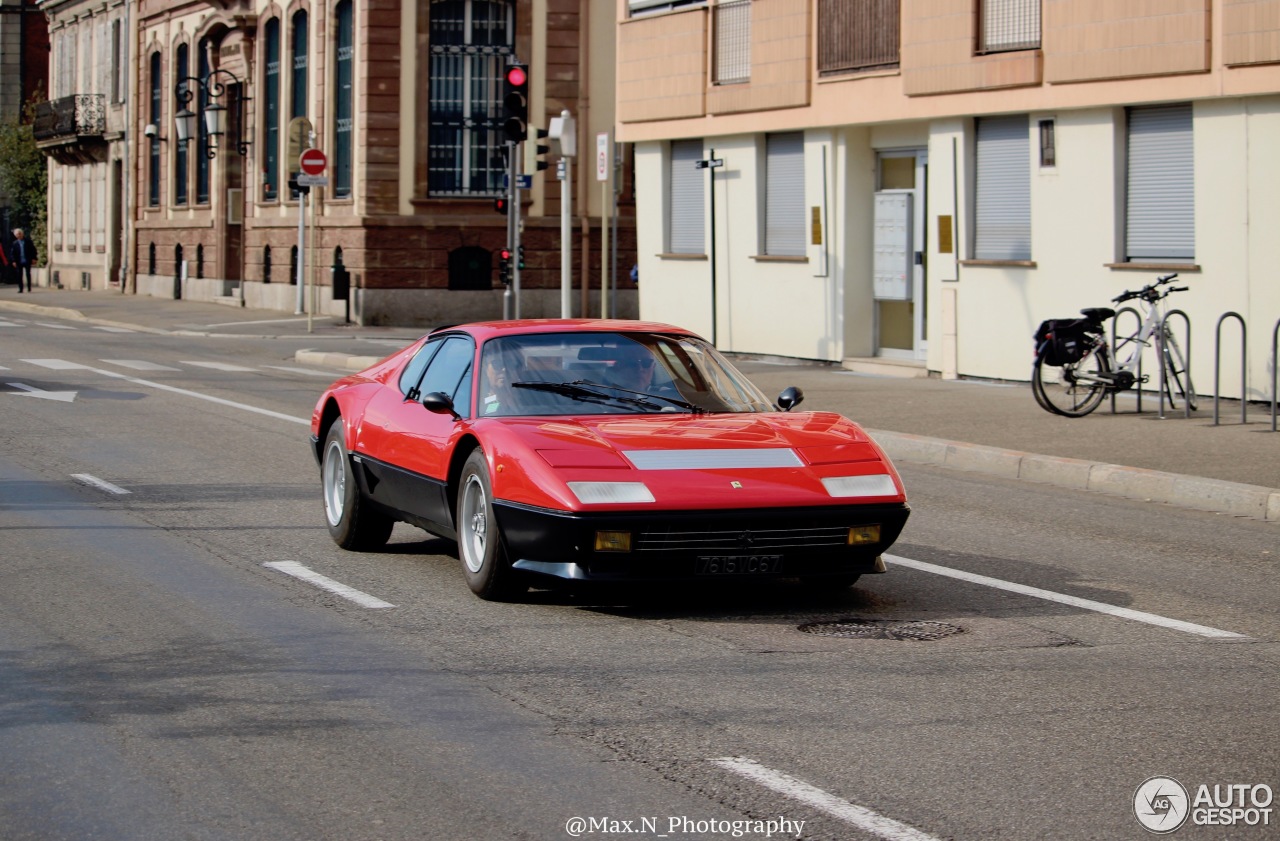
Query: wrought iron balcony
[(75, 116), (71, 130)]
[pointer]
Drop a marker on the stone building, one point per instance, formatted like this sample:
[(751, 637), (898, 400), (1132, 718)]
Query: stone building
[(405, 99)]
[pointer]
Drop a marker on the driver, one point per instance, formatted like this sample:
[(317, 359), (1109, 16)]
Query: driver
[(501, 367)]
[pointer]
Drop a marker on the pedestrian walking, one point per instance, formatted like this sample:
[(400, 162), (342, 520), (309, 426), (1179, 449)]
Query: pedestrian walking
[(22, 253)]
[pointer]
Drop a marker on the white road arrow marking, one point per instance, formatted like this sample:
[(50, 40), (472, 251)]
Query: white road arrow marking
[(32, 391)]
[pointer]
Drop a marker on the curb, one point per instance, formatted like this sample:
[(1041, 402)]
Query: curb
[(73, 315), (1192, 492), (341, 361)]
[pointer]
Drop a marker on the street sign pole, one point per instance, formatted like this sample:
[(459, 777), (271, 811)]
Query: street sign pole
[(712, 163)]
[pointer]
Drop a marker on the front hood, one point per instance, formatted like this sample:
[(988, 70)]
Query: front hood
[(708, 461)]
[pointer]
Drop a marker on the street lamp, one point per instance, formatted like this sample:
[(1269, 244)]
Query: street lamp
[(214, 88)]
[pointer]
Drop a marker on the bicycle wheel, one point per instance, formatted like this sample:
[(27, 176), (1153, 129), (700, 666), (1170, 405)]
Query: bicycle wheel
[(1072, 390), (1176, 375)]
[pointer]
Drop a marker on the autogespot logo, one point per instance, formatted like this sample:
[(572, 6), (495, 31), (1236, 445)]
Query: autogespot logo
[(1161, 804)]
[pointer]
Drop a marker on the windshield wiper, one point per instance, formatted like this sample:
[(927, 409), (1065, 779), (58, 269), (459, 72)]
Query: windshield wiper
[(578, 391), (675, 401)]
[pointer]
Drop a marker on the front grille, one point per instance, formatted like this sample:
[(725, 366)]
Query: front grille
[(741, 540)]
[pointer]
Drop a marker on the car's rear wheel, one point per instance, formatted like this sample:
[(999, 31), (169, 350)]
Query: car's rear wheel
[(484, 560), (353, 523)]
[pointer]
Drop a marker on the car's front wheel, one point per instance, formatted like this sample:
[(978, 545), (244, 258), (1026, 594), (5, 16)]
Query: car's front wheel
[(484, 562), (353, 524)]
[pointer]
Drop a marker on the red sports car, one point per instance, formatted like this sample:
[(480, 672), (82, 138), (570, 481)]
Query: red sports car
[(599, 450)]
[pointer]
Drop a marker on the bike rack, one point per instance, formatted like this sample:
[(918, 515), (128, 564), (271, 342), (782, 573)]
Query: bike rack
[(1186, 404), (1275, 375), (1217, 360), (1115, 356)]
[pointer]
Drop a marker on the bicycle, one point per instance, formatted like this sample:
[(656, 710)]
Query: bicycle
[(1074, 367)]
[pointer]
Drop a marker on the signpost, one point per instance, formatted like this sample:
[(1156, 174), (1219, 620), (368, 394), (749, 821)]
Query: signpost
[(712, 163), (312, 163)]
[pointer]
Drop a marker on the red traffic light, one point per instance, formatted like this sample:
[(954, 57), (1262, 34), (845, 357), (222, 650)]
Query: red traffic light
[(517, 76), (505, 254)]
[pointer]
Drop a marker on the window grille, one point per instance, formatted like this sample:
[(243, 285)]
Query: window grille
[(733, 42), (1010, 25), (471, 41)]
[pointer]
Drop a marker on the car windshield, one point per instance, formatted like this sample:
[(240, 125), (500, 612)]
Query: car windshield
[(610, 373)]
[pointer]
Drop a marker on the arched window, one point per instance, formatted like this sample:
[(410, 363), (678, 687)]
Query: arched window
[(182, 69), (266, 264), (177, 261), (342, 93), (271, 111), (298, 81), (470, 43), (153, 153), (202, 147), (200, 260), (151, 259)]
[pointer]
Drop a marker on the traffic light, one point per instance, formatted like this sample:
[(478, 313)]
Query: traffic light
[(500, 205), (516, 101), (504, 266), (520, 257), (534, 151)]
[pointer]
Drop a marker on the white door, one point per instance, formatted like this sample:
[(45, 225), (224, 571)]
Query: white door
[(901, 210)]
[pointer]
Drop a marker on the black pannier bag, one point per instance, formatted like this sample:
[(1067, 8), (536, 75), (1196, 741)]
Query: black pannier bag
[(1063, 340)]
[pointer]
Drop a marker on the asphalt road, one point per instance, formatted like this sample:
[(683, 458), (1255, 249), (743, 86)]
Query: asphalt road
[(158, 680)]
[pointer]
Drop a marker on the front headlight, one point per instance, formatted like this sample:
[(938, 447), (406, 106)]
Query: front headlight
[(599, 493), (877, 484)]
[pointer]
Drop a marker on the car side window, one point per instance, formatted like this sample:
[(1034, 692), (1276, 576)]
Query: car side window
[(448, 368), (412, 372)]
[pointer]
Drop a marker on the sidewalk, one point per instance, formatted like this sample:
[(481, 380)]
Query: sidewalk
[(965, 424)]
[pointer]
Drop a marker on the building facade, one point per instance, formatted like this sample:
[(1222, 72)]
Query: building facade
[(923, 183), (82, 131), (24, 78), (405, 99)]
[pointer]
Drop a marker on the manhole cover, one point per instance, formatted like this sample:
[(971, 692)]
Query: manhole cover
[(882, 629)]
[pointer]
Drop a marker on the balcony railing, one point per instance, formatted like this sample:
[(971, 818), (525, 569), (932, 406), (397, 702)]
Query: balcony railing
[(79, 115)]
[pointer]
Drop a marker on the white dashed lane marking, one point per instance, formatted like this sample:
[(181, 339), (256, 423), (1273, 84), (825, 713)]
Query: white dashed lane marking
[(1063, 598), (850, 813), (100, 484), (217, 366), (297, 570), (139, 365)]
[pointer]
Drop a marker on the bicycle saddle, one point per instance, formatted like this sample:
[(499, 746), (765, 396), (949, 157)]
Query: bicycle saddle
[(1098, 314)]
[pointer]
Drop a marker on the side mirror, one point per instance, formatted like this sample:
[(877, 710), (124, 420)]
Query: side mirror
[(440, 403), (790, 398)]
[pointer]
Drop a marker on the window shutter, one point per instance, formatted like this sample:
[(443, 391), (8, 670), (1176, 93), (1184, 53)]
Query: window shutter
[(1002, 226), (784, 195), (1160, 216), (687, 232)]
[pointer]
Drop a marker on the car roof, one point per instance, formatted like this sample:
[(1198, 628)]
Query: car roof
[(484, 330)]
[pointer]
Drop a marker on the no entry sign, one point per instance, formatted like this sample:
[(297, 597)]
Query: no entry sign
[(312, 161)]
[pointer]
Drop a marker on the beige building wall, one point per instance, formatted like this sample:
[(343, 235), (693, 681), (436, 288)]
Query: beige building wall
[(1096, 58)]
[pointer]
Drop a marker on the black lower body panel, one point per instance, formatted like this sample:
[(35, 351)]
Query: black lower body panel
[(779, 543)]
